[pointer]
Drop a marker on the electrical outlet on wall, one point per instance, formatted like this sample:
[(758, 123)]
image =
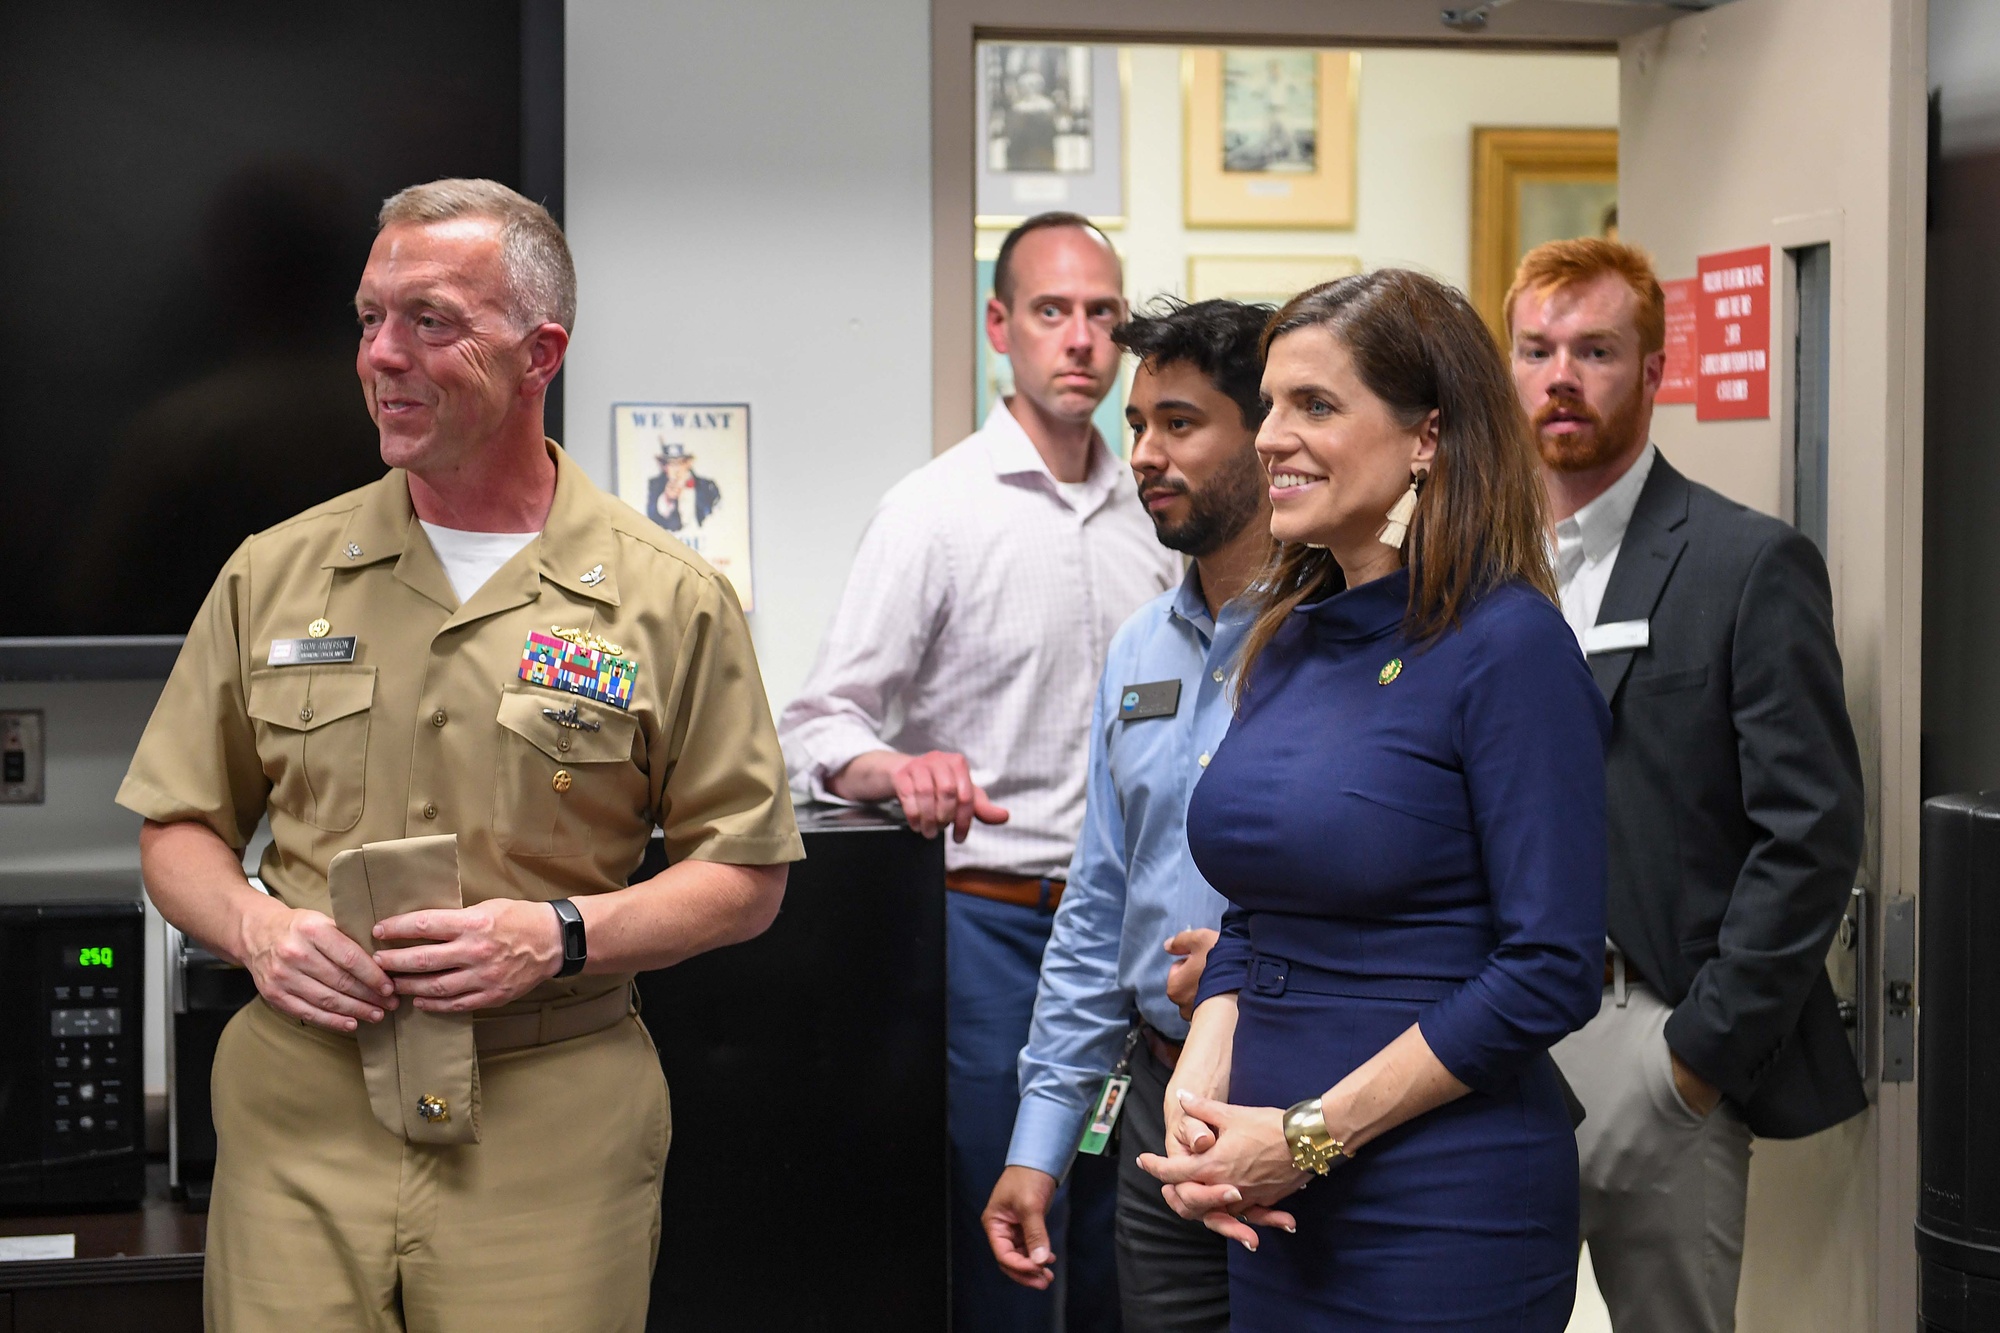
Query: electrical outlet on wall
[(22, 767)]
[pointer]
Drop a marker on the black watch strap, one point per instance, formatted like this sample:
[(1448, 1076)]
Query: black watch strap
[(575, 951)]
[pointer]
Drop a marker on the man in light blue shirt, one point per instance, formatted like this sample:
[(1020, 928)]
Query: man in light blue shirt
[(1137, 918)]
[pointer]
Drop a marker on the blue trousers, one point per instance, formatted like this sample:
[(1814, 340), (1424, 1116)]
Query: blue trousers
[(993, 960)]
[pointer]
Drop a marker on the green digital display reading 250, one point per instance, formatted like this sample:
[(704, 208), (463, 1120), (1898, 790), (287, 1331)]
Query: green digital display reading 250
[(94, 957)]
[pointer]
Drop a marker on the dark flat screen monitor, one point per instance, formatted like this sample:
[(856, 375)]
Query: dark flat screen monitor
[(189, 197)]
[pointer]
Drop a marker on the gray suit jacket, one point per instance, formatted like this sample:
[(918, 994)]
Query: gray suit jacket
[(1735, 799)]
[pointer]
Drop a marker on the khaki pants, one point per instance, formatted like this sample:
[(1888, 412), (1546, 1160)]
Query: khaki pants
[(1663, 1189), (323, 1220)]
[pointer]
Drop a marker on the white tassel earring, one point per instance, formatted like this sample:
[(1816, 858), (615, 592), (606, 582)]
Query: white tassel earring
[(1398, 527)]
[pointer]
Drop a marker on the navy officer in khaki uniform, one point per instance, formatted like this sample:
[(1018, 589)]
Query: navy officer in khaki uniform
[(481, 644)]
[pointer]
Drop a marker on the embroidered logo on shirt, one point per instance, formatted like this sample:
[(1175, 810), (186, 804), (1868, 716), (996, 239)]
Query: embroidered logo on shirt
[(1393, 669)]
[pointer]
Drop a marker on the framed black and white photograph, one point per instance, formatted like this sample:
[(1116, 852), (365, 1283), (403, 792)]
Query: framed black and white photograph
[(1051, 126)]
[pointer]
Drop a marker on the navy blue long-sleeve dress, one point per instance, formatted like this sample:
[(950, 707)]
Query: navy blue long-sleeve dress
[(1414, 833)]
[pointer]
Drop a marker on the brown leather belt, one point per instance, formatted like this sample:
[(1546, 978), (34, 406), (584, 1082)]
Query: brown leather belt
[(1040, 892), (553, 1022), (1166, 1050)]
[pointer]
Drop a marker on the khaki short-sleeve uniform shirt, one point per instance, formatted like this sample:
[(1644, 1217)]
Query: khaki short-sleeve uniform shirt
[(431, 729)]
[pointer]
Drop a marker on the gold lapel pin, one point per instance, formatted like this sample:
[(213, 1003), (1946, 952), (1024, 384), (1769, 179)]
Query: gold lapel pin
[(318, 629)]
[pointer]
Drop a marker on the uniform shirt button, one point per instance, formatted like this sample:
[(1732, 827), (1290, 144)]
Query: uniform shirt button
[(306, 713), (430, 811), (438, 718), (562, 743), (1203, 761)]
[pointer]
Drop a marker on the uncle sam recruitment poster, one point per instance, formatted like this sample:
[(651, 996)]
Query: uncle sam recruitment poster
[(686, 466)]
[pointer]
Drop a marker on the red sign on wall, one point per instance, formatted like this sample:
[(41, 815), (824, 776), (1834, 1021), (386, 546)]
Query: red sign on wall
[(1732, 315), (1677, 385)]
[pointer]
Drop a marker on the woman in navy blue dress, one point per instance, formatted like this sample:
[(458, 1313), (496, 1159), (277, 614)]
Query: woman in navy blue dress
[(1408, 819)]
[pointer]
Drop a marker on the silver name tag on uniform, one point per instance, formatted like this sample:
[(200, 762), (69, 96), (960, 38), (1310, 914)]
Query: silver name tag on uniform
[(311, 652), (1616, 637)]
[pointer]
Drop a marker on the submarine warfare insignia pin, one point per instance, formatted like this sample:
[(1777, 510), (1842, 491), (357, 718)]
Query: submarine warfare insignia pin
[(567, 717), (579, 663)]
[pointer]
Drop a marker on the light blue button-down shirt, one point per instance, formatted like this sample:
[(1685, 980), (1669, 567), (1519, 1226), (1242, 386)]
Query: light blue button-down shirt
[(1132, 885)]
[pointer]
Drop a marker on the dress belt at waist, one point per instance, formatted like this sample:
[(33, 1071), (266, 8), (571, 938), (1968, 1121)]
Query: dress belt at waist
[(1163, 1048), (1038, 891), (554, 1022), (1271, 975)]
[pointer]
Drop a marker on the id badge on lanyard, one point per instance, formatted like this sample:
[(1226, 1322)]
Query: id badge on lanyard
[(1097, 1129)]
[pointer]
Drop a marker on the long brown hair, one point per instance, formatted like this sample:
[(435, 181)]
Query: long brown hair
[(1481, 517)]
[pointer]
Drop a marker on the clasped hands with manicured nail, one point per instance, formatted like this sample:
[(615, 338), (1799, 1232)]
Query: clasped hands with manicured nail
[(1226, 1166)]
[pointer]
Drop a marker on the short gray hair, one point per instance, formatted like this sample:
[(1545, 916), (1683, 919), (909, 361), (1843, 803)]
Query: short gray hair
[(541, 278)]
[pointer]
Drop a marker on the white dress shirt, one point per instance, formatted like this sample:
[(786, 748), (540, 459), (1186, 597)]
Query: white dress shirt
[(1587, 545), (976, 618)]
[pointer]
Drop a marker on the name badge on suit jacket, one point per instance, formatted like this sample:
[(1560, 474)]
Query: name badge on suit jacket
[(1616, 637), (1160, 698)]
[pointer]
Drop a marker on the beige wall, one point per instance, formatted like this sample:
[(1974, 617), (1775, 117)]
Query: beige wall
[(1790, 122)]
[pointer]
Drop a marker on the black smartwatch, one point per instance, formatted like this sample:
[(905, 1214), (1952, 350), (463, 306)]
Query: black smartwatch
[(575, 951)]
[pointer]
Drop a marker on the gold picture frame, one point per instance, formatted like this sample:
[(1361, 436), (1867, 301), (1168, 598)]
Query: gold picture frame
[(1266, 279), (1530, 186), (1312, 187)]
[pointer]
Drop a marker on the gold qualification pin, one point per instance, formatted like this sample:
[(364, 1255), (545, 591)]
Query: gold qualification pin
[(318, 629)]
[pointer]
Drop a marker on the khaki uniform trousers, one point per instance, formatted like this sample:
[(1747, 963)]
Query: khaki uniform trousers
[(323, 1220), (1663, 1188)]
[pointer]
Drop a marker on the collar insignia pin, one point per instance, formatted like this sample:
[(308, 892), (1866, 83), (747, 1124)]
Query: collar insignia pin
[(318, 629), (353, 551), (1389, 672), (592, 576)]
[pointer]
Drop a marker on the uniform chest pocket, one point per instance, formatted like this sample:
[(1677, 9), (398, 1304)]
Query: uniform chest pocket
[(312, 735), (566, 769)]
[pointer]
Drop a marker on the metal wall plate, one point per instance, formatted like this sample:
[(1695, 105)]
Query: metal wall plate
[(23, 767), (1899, 989)]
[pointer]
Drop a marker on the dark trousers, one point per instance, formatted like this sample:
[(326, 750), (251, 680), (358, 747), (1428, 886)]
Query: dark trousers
[(1173, 1274), (993, 960)]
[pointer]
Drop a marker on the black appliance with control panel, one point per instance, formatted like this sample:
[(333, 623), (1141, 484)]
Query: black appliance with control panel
[(72, 1081)]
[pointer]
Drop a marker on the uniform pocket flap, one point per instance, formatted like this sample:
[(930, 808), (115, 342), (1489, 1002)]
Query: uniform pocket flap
[(566, 727), (307, 698)]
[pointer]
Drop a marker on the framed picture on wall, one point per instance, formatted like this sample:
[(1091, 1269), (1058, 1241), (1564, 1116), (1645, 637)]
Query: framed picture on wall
[(1051, 132), (1531, 186), (1269, 137), (996, 374), (1269, 279), (686, 466)]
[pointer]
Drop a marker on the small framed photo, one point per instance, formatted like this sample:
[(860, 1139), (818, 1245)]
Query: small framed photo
[(1051, 133), (1263, 279), (686, 466), (1531, 186), (1269, 137)]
